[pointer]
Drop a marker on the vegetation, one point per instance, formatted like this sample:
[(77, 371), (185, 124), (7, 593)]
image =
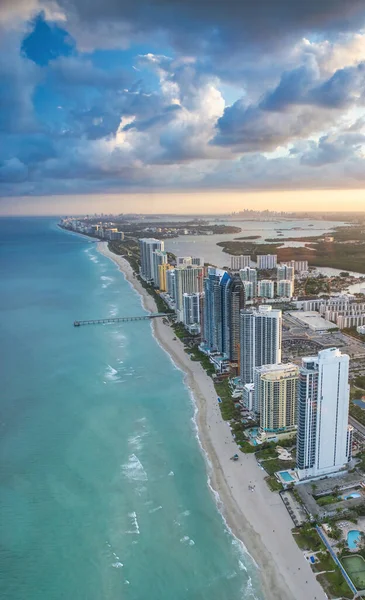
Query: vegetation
[(334, 584), (273, 483), (307, 538), (360, 381), (227, 405), (316, 285), (325, 500), (196, 354), (248, 237), (272, 465)]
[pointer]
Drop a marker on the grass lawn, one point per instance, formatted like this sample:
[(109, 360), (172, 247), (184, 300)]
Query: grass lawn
[(308, 539), (334, 584), (273, 465)]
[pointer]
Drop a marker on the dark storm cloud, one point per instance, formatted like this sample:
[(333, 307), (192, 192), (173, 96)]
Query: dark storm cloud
[(260, 22)]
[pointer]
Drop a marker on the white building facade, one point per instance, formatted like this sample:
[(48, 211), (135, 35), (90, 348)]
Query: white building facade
[(267, 261), (260, 340), (240, 262), (324, 438), (147, 247)]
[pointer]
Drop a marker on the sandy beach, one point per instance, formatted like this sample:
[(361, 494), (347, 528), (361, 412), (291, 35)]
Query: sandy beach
[(259, 519)]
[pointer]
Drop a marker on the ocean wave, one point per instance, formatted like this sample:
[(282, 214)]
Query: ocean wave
[(171, 474), (111, 374), (134, 470), (117, 565)]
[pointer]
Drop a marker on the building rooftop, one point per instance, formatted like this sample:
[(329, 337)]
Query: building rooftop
[(313, 320)]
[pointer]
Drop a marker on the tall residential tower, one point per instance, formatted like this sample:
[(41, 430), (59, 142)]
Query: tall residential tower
[(324, 437), (260, 340)]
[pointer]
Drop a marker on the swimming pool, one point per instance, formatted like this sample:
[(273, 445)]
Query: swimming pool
[(353, 495), (353, 537), (285, 476)]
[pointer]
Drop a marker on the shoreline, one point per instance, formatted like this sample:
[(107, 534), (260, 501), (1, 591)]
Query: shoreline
[(258, 519)]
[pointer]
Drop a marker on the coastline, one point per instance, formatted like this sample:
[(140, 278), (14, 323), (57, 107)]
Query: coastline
[(259, 519)]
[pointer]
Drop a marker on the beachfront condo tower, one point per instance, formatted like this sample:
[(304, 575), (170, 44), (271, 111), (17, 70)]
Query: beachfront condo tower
[(324, 437), (240, 262), (260, 340), (147, 247), (191, 310), (184, 261), (267, 261), (233, 302), (250, 275), (188, 280), (159, 257), (162, 278), (275, 397), (171, 283), (214, 285)]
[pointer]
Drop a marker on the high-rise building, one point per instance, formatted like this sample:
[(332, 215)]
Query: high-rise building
[(171, 283), (191, 309), (260, 340), (188, 280), (159, 257), (184, 261), (240, 262), (213, 309), (275, 396), (248, 396), (265, 288), (162, 273), (285, 288), (324, 438), (248, 274), (267, 261), (286, 273), (233, 302), (147, 246), (249, 289)]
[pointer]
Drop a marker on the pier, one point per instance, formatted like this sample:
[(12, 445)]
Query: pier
[(120, 319)]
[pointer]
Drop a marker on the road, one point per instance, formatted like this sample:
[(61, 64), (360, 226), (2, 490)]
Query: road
[(357, 425)]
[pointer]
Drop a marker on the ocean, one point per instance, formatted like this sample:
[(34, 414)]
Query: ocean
[(104, 491)]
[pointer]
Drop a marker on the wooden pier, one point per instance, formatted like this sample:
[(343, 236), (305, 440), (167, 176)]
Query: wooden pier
[(119, 319)]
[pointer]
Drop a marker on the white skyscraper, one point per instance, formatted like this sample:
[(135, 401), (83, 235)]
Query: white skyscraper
[(267, 261), (188, 280), (275, 396), (260, 340), (324, 437), (147, 246), (240, 262), (265, 288)]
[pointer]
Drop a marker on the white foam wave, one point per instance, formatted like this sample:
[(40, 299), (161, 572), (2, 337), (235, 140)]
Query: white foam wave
[(134, 470), (111, 374), (171, 474), (186, 513), (153, 510), (134, 523), (187, 540), (117, 565)]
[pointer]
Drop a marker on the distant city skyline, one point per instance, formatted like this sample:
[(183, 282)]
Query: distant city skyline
[(182, 203)]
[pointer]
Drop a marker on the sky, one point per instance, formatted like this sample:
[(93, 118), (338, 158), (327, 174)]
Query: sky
[(181, 105)]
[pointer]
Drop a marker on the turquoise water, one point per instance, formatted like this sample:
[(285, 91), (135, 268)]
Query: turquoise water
[(353, 537), (286, 476), (103, 486), (353, 495)]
